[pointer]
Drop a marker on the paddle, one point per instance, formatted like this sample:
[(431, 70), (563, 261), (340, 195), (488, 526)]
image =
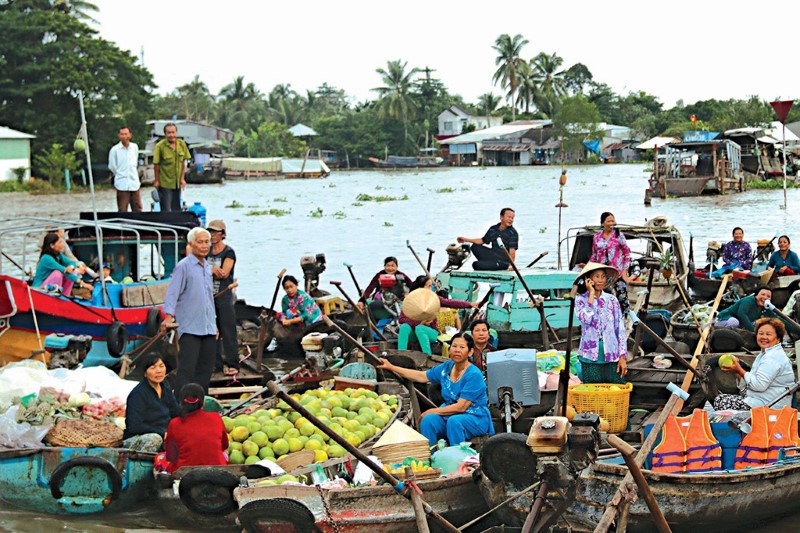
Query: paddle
[(364, 313), (264, 318), (427, 272), (537, 259), (277, 288), (465, 324), (431, 251), (563, 378), (353, 277), (230, 287), (395, 483), (372, 356)]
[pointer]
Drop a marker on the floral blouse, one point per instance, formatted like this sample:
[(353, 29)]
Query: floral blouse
[(303, 306), (737, 251), (601, 320), (613, 251)]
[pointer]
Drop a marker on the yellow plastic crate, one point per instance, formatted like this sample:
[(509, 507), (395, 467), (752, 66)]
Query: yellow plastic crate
[(610, 404)]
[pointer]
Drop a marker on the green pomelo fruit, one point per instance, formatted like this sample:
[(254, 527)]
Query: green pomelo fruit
[(236, 457), (280, 447), (252, 459), (228, 423), (240, 434), (266, 453), (260, 438), (249, 448)]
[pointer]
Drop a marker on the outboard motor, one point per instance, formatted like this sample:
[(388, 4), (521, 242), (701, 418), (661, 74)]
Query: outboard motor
[(392, 289), (713, 254), (312, 266), (764, 250), (456, 255), (67, 351), (321, 349), (513, 381)]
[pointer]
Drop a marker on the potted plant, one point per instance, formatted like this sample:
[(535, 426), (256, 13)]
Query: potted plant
[(666, 264)]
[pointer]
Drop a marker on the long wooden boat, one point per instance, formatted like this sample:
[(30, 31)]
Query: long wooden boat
[(695, 168), (75, 480)]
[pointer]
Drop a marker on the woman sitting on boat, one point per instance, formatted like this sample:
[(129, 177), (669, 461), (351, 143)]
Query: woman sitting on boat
[(465, 411), (610, 248), (425, 332), (770, 376), (479, 330), (149, 407), (784, 261), (55, 268), (196, 437), (604, 347), (373, 292), (299, 311), (737, 253)]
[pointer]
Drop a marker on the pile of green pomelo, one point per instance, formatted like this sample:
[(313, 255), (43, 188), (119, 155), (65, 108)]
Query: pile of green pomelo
[(355, 414)]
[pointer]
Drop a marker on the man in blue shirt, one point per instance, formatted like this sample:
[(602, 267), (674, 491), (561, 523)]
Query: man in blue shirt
[(494, 258), (190, 302)]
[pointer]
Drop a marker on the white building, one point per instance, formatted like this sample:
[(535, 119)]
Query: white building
[(15, 152), (453, 120)]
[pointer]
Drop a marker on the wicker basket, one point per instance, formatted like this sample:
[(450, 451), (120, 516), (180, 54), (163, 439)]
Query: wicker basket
[(84, 433), (611, 404)]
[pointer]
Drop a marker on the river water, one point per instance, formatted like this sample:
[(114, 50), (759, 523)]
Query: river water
[(431, 209)]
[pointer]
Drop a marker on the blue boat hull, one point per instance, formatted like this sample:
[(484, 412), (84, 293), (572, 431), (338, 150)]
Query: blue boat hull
[(66, 481)]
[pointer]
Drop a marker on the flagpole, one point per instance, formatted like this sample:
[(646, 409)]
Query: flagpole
[(98, 232), (783, 149)]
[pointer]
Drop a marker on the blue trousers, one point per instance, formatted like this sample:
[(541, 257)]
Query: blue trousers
[(455, 428)]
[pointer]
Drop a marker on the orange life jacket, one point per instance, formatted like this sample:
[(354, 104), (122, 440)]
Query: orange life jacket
[(687, 445), (772, 429)]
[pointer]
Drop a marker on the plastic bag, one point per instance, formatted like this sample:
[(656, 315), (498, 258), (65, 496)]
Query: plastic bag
[(20, 435)]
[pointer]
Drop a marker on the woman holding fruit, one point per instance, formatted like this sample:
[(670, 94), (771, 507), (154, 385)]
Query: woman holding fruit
[(770, 376), (465, 411), (149, 407), (604, 346)]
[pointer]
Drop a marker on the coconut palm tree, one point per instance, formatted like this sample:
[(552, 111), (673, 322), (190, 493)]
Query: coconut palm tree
[(509, 64), (196, 102), (78, 9), (549, 82), (395, 98), (240, 105), (488, 103)]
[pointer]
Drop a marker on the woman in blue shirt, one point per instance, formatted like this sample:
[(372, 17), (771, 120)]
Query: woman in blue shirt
[(784, 261), (465, 411)]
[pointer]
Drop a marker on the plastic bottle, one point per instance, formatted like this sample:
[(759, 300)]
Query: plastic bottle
[(200, 211)]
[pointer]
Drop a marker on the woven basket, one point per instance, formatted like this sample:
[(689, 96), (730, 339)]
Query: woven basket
[(84, 433)]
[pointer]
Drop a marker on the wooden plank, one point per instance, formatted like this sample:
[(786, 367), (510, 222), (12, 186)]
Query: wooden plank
[(232, 390), (687, 380)]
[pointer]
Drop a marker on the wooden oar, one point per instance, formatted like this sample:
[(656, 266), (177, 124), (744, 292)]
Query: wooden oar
[(536, 260), (421, 264), (277, 288), (364, 313), (465, 324), (363, 349), (353, 277), (228, 288), (687, 380), (395, 483), (262, 333)]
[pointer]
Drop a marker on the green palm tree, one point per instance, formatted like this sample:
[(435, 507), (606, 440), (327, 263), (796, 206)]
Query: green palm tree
[(78, 9), (509, 64), (488, 103), (196, 102), (549, 82), (240, 105), (394, 98)]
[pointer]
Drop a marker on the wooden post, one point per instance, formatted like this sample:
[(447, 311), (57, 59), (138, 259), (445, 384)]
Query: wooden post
[(416, 503), (687, 380), (628, 452)]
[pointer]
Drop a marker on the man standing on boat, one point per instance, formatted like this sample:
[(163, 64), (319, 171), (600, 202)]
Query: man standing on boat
[(494, 258), (169, 165), (123, 159), (190, 303)]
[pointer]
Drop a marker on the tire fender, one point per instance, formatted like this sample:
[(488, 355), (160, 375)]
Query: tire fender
[(506, 457), (209, 491), (277, 510), (61, 471), (116, 338), (153, 322)]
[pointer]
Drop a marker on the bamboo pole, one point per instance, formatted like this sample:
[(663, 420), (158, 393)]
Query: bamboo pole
[(416, 503)]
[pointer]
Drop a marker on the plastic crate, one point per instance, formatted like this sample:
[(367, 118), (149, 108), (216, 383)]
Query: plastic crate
[(610, 404)]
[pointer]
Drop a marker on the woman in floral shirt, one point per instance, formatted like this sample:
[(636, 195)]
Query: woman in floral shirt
[(609, 247), (603, 348), (299, 311), (737, 252)]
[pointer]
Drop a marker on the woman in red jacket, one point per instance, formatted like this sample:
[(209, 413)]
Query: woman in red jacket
[(196, 437)]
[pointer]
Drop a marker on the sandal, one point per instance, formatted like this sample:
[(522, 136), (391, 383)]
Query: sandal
[(230, 371)]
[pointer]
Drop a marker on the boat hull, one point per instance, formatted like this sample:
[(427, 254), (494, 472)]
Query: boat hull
[(29, 479), (379, 508)]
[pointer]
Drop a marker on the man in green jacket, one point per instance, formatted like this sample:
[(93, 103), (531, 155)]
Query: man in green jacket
[(169, 164)]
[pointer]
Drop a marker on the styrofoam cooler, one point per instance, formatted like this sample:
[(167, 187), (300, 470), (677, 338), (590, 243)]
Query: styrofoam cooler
[(515, 368)]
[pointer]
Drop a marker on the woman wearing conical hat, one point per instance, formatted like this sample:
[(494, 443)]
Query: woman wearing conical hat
[(603, 348)]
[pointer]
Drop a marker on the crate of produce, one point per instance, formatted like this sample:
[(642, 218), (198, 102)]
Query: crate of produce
[(609, 400)]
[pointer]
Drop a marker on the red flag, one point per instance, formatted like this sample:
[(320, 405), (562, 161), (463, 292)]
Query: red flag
[(782, 108)]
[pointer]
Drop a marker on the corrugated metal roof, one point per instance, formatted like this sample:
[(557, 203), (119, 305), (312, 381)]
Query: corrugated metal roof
[(8, 133), (655, 142), (494, 132)]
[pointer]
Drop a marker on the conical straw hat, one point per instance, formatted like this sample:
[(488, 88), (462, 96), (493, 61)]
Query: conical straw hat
[(590, 267), (421, 305), (399, 433)]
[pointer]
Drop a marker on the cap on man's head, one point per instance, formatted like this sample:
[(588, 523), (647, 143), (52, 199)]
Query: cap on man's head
[(108, 266), (216, 225)]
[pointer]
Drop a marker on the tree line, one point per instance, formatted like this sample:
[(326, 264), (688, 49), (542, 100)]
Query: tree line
[(50, 51)]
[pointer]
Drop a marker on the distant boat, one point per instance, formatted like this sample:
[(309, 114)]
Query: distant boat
[(695, 168), (413, 161)]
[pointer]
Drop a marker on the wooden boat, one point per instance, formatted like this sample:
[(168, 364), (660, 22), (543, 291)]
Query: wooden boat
[(116, 317), (75, 480), (695, 168), (648, 243), (355, 510)]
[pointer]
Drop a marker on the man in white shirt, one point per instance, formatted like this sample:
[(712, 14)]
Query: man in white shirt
[(123, 159)]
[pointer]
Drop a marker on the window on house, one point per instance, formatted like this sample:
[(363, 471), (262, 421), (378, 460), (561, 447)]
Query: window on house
[(448, 125)]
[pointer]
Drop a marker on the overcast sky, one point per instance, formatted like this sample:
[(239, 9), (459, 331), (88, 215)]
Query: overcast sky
[(689, 50)]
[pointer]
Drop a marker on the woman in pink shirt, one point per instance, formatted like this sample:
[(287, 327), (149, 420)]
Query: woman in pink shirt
[(609, 247)]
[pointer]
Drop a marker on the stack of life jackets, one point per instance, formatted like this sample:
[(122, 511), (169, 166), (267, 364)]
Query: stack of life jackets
[(687, 445), (772, 429)]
